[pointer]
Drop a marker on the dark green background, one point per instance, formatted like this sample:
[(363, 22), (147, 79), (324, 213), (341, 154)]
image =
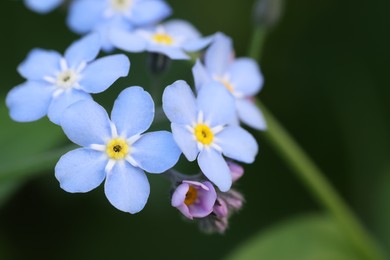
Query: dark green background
[(326, 68)]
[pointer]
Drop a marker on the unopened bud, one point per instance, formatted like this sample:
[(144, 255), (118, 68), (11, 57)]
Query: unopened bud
[(267, 12)]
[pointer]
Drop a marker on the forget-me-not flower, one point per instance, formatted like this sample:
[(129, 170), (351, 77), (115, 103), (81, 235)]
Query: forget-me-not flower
[(115, 150), (194, 199), (241, 77), (54, 81), (103, 15), (173, 39), (43, 6), (200, 128)]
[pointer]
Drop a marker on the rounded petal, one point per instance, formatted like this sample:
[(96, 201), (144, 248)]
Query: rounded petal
[(81, 170), (238, 144), (206, 200), (179, 195), (150, 12), (215, 168), (133, 111), (216, 103), (127, 188), (124, 40), (250, 114), (85, 123), (181, 29), (40, 63), (84, 50), (84, 15), (197, 44), (201, 76), (245, 76), (219, 55), (102, 73), (179, 103), (156, 152), (178, 198), (172, 52), (185, 140), (42, 6), (61, 102), (29, 101)]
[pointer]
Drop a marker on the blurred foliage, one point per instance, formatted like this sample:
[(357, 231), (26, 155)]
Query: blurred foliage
[(326, 71), (304, 238)]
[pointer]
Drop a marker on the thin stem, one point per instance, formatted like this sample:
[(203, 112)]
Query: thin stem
[(310, 174), (317, 184)]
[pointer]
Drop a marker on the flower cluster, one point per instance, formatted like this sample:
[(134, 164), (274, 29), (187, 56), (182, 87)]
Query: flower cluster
[(116, 149)]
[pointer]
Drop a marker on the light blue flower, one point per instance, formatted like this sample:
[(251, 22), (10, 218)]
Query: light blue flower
[(200, 128), (173, 39), (103, 15), (54, 82), (43, 6), (115, 150), (241, 76)]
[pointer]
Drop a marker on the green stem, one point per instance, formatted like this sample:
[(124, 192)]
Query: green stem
[(310, 174), (317, 184)]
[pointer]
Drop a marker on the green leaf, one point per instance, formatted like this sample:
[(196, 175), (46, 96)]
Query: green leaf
[(7, 189), (312, 237), (27, 148)]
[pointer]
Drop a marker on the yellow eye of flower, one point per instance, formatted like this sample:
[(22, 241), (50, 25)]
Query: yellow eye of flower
[(117, 149), (227, 85), (191, 196), (204, 134), (121, 5), (163, 38)]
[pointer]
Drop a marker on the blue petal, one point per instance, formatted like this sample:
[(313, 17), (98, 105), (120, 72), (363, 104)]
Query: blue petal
[(179, 103), (185, 140), (215, 168), (126, 41), (246, 77), (84, 50), (104, 28), (156, 152), (181, 29), (150, 12), (84, 15), (85, 123), (250, 114), (40, 63), (102, 73), (238, 144), (201, 76), (64, 100), (197, 44), (133, 111), (29, 101), (173, 53), (127, 188), (81, 170), (219, 55), (42, 6), (217, 104)]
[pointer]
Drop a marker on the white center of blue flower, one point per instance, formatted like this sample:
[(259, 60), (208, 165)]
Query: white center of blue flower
[(121, 5), (67, 79)]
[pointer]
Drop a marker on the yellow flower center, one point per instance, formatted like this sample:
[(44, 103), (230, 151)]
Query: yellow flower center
[(121, 5), (163, 38), (191, 196), (227, 85), (204, 134), (117, 148)]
